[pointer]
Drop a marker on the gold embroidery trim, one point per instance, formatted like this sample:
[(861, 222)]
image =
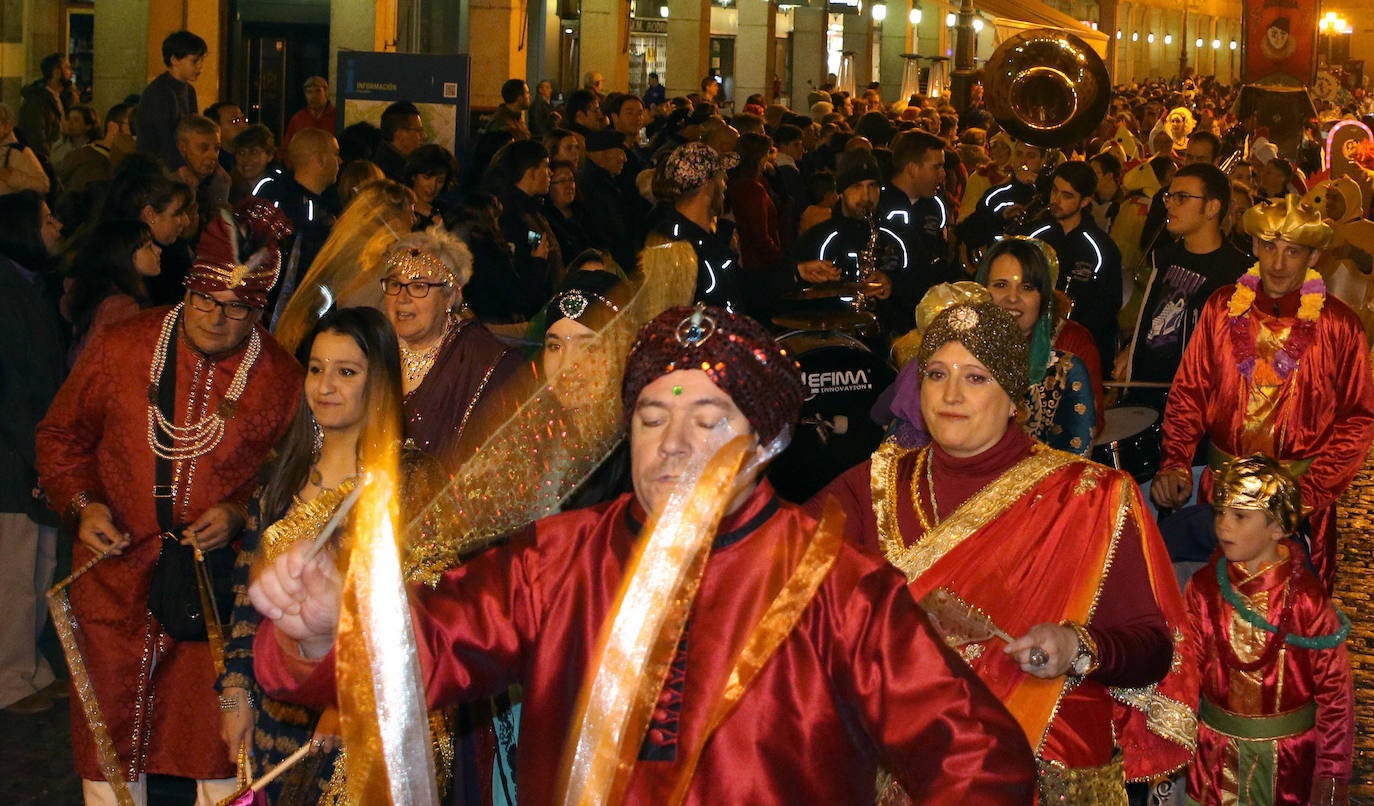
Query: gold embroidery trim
[(978, 511), (1164, 716), (64, 622)]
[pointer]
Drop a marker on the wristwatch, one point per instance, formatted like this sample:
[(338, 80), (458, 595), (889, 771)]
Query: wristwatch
[(1087, 659)]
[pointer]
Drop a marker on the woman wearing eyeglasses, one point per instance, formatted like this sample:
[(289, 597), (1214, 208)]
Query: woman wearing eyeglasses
[(447, 363)]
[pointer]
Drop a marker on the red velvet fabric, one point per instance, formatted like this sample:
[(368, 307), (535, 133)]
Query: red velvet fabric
[(1017, 569), (95, 439), (1296, 678), (861, 679), (1325, 409), (756, 216)]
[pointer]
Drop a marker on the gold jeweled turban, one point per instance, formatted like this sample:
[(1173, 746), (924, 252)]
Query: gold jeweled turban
[(1259, 484), (1288, 219), (991, 335)]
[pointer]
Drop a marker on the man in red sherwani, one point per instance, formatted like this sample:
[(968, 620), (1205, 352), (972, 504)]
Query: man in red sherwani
[(857, 678), (236, 391), (1276, 366)]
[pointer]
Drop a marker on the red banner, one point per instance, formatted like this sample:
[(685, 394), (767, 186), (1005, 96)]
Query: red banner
[(1280, 42)]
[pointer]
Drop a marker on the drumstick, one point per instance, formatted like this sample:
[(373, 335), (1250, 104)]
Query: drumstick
[(1135, 385), (286, 764), (333, 522)]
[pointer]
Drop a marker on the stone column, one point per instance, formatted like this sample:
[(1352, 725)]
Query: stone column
[(755, 54), (897, 36), (605, 42), (808, 54), (497, 52), (358, 25), (125, 53), (858, 30), (689, 45)]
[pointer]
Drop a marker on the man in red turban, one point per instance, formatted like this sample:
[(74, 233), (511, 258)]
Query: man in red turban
[(156, 437), (797, 667)]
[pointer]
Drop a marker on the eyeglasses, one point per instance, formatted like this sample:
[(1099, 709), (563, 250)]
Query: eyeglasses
[(416, 289), (236, 311), (1171, 197), (239, 121)]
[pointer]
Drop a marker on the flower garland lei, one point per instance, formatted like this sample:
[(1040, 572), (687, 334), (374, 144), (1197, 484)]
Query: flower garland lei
[(1286, 358)]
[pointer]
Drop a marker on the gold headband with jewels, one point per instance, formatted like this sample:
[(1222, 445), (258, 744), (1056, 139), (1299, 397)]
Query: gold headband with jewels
[(572, 304), (1288, 219), (1259, 484), (412, 263)]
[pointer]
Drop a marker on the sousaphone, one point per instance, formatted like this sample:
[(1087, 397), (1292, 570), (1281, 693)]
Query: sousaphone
[(1046, 87)]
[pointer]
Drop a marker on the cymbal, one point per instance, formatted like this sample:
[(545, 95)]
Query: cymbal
[(834, 289), (824, 320)]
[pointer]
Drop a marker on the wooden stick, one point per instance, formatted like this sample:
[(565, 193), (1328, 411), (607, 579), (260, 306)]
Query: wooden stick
[(333, 523), (286, 764)]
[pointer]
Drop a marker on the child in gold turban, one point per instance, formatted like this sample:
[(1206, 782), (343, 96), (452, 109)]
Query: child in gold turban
[(1276, 722)]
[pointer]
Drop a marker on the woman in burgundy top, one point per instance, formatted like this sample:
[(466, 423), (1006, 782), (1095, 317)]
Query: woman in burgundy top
[(1036, 564)]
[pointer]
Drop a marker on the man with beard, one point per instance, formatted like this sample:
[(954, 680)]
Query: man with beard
[(843, 240), (692, 181), (1185, 272), (912, 206), (1004, 204), (1089, 263)]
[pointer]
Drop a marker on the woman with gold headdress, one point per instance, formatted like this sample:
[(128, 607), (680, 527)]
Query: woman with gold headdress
[(352, 365), (448, 364), (1040, 567)]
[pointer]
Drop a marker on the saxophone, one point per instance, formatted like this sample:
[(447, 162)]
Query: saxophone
[(868, 256)]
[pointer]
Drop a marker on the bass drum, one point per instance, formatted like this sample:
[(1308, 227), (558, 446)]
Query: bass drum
[(841, 379)]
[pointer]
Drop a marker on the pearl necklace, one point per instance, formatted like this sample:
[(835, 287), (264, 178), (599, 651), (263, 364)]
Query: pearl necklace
[(417, 363), (195, 439)]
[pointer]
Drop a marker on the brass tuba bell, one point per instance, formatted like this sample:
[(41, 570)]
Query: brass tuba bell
[(1046, 87)]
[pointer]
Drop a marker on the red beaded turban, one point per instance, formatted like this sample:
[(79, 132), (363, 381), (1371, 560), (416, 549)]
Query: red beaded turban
[(740, 357)]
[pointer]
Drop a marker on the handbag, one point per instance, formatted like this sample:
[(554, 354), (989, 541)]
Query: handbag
[(174, 595)]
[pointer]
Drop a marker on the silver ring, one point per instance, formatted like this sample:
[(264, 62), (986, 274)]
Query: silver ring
[(1039, 657)]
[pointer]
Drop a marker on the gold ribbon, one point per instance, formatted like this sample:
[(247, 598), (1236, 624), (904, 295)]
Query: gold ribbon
[(389, 757), (770, 631), (64, 621), (641, 635)]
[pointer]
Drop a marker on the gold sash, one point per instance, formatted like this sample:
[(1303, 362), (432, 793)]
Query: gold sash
[(770, 631), (978, 511)]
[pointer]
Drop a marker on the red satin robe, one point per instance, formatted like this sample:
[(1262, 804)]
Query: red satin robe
[(1323, 412), (1294, 679), (95, 438), (1018, 569), (859, 680)]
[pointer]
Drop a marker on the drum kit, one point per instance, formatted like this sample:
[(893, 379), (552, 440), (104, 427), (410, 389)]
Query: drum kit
[(842, 375), (1131, 436)]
